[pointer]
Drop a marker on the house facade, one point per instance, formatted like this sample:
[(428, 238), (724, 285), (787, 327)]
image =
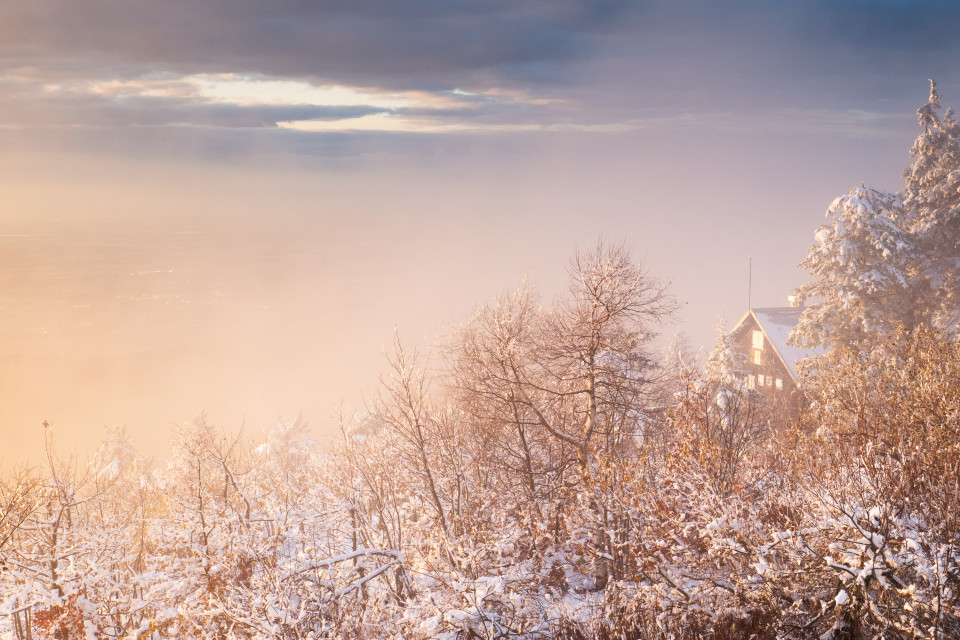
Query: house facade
[(769, 364)]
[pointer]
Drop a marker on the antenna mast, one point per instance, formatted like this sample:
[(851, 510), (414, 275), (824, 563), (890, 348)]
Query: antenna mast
[(750, 285)]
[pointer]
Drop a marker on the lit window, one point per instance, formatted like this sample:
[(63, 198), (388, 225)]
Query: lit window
[(760, 379), (769, 381), (779, 384), (758, 339), (756, 356), (751, 382)]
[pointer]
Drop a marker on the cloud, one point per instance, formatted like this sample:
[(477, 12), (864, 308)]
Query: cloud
[(410, 44), (65, 106), (237, 101), (480, 66)]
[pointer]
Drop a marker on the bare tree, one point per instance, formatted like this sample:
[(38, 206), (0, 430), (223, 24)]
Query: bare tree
[(490, 362), (426, 440), (723, 423), (576, 381), (19, 497)]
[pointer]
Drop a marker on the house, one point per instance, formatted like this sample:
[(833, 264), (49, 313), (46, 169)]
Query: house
[(769, 364)]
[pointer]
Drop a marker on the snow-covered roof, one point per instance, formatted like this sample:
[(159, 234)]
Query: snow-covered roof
[(776, 324)]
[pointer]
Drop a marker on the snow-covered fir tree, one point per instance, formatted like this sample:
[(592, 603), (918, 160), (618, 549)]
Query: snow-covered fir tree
[(726, 362), (679, 361), (885, 260), (864, 267), (932, 199)]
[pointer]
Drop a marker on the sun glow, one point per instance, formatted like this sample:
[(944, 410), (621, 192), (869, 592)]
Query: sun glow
[(455, 110), (254, 90)]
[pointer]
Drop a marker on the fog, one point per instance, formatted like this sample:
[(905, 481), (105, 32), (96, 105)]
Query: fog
[(141, 296), (140, 290)]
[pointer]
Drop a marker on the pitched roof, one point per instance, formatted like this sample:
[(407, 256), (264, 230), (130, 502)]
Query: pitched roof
[(776, 324)]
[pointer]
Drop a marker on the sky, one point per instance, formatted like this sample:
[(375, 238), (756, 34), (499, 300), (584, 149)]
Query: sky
[(232, 206)]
